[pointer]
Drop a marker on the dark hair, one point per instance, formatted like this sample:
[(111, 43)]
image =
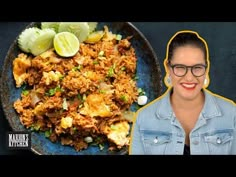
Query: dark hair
[(186, 38)]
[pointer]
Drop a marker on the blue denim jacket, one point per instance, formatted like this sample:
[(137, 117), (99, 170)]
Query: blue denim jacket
[(157, 131)]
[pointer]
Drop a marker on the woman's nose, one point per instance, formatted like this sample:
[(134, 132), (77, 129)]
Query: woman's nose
[(189, 75)]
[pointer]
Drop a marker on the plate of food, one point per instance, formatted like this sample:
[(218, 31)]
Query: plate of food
[(76, 86)]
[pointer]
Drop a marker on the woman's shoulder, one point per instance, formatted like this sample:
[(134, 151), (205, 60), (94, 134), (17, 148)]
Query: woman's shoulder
[(221, 101)]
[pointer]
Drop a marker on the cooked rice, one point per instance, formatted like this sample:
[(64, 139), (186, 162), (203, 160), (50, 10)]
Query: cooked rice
[(82, 96)]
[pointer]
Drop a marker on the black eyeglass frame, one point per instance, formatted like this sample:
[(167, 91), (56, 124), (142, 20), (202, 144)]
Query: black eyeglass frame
[(186, 69)]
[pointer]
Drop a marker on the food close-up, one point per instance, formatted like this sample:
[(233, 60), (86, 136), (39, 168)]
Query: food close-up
[(78, 86)]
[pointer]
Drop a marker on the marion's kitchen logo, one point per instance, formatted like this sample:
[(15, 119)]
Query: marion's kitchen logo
[(19, 140)]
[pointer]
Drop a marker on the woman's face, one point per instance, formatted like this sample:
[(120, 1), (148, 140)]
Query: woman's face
[(187, 87)]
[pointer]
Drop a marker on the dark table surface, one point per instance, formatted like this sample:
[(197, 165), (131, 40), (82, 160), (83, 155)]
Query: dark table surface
[(220, 36)]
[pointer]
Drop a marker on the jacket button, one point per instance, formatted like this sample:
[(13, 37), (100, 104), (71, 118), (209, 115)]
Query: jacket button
[(155, 140), (218, 140)]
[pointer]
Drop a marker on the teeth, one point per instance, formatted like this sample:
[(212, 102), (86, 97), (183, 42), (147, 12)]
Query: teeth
[(189, 85)]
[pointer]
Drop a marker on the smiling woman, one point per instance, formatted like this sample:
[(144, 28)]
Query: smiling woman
[(47, 98), (187, 118)]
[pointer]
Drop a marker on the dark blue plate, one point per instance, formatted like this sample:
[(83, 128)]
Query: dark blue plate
[(148, 72)]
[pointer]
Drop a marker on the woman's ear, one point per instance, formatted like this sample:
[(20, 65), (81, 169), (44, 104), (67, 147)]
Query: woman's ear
[(167, 80), (166, 65), (206, 81)]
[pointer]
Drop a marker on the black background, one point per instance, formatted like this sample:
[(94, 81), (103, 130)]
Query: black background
[(220, 36)]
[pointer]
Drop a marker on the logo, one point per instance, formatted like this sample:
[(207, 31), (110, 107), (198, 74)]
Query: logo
[(19, 140)]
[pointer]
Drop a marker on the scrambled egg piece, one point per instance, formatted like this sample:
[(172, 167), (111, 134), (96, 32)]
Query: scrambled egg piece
[(92, 75), (39, 110), (95, 106), (118, 133), (51, 76), (66, 122), (20, 66)]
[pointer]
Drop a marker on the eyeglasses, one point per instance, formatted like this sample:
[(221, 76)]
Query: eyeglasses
[(181, 70)]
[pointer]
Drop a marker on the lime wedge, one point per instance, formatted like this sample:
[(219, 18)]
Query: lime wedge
[(42, 42), (80, 29), (66, 44), (52, 25), (94, 37)]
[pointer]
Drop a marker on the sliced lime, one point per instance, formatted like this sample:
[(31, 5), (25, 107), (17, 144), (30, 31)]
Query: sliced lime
[(66, 44), (80, 29)]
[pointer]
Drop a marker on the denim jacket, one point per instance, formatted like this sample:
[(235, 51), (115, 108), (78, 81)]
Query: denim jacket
[(157, 131)]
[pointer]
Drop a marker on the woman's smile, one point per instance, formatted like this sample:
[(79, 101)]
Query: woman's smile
[(189, 86)]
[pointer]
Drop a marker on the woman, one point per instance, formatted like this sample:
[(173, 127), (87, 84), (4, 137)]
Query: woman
[(187, 119)]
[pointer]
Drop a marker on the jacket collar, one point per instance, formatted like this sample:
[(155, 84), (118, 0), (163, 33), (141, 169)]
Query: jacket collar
[(165, 110), (210, 108)]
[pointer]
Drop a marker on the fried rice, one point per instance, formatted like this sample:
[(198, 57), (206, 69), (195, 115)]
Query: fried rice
[(79, 100)]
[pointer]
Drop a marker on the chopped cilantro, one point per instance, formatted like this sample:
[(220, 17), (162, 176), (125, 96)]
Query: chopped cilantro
[(102, 91), (79, 97), (118, 37), (101, 53), (95, 62), (25, 92), (124, 98), (48, 133), (77, 68), (141, 92), (123, 68), (101, 147), (52, 91), (110, 72), (135, 78)]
